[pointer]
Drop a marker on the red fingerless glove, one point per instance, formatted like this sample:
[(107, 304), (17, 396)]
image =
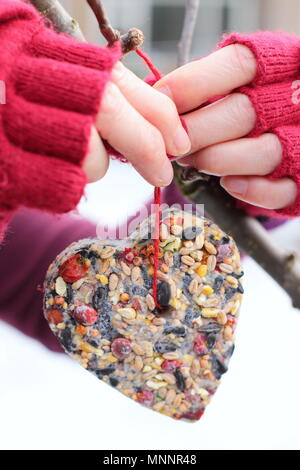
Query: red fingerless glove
[(273, 94), (54, 85)]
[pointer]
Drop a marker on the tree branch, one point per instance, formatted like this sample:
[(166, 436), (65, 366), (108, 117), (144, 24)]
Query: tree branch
[(249, 234), (130, 41), (61, 19), (54, 11), (185, 44)]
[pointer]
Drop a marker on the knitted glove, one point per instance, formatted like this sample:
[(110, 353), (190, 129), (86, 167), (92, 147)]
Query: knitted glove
[(54, 87), (272, 94)]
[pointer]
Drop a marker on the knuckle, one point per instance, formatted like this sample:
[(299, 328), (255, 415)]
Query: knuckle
[(153, 148), (244, 61), (118, 73), (272, 149), (110, 98), (242, 111)]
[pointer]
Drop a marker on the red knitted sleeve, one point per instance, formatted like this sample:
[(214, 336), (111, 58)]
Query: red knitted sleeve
[(53, 88), (274, 94)]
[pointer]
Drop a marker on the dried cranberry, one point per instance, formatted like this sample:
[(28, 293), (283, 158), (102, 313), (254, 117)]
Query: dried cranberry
[(145, 397), (194, 415), (54, 315), (73, 269), (121, 348), (171, 365), (85, 314), (199, 344)]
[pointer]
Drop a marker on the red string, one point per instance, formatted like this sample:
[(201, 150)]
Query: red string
[(157, 195), (148, 62), (157, 214)]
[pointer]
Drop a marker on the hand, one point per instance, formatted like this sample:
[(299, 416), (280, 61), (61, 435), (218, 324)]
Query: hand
[(217, 131), (140, 123)]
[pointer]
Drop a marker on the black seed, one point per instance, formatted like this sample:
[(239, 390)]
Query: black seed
[(93, 256), (177, 330), (147, 279), (163, 293), (113, 381), (210, 328), (230, 351), (98, 297), (218, 368), (229, 293), (93, 343), (106, 371), (164, 347), (180, 382), (191, 314), (105, 326), (190, 233), (240, 288), (66, 339), (211, 340), (137, 290), (237, 276), (84, 251), (176, 260), (219, 280), (69, 294)]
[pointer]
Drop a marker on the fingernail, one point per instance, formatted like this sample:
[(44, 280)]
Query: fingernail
[(181, 141), (183, 163), (235, 185), (164, 89), (165, 174)]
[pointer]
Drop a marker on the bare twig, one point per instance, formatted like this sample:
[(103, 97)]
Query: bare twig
[(250, 235), (61, 19), (185, 44), (54, 11), (111, 35), (130, 41)]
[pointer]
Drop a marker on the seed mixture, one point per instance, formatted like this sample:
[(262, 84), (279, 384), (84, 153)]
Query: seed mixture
[(98, 302)]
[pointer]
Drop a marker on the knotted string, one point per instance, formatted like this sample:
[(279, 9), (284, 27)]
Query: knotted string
[(157, 197)]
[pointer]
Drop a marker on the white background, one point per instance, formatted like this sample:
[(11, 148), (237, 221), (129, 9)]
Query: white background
[(47, 401)]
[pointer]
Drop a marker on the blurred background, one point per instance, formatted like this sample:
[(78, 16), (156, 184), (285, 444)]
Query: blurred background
[(47, 401), (161, 21)]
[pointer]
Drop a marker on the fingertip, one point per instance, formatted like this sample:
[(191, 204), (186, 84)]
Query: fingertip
[(96, 162)]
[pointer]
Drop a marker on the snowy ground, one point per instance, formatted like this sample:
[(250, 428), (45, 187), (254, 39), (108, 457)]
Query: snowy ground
[(47, 401)]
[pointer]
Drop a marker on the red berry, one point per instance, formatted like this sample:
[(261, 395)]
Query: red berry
[(194, 415), (54, 315), (73, 269), (145, 397), (121, 348), (85, 314), (170, 365), (199, 344)]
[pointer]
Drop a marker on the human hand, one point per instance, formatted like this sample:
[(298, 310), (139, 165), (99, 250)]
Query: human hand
[(217, 131), (139, 122)]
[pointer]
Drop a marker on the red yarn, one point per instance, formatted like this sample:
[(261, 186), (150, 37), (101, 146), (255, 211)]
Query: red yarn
[(157, 194), (148, 62)]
